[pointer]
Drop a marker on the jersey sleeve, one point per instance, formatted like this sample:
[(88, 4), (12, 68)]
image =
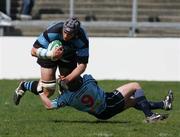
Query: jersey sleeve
[(52, 33), (83, 50), (83, 55), (54, 104), (59, 102), (42, 41)]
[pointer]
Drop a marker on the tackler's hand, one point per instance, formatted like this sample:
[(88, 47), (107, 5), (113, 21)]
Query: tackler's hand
[(63, 82)]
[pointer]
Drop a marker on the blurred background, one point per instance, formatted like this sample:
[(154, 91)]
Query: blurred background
[(102, 18)]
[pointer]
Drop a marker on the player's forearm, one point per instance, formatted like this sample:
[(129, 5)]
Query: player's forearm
[(41, 53), (34, 52), (76, 72), (46, 101)]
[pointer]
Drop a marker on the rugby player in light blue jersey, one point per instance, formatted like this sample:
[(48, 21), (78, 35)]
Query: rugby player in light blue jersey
[(89, 97), (71, 58)]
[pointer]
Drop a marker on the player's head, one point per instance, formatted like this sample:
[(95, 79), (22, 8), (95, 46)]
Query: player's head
[(70, 28)]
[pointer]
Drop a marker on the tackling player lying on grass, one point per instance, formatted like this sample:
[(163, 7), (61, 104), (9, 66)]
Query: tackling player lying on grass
[(104, 105)]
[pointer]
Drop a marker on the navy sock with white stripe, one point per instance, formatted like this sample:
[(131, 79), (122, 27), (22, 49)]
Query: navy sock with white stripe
[(153, 105), (156, 105), (30, 86)]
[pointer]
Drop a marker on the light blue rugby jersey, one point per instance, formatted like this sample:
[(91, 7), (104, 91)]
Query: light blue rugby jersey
[(89, 98)]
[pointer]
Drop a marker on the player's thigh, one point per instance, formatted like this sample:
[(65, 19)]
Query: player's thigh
[(128, 90), (66, 68), (48, 74)]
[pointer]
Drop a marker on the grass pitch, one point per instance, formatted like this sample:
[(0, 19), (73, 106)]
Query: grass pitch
[(31, 119)]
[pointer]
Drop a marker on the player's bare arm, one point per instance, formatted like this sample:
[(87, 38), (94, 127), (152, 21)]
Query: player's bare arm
[(46, 102), (75, 73), (56, 53)]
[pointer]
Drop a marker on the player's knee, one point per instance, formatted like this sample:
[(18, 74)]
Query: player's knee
[(136, 85), (48, 86)]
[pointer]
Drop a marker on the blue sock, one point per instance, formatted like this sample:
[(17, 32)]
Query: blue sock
[(30, 86), (142, 103)]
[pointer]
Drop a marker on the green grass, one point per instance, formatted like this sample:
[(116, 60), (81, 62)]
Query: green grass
[(31, 119)]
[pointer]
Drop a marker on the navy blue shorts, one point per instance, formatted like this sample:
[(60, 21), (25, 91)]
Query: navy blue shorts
[(65, 68), (115, 104)]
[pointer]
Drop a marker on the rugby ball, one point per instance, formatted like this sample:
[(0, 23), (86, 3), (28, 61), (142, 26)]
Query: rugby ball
[(54, 44)]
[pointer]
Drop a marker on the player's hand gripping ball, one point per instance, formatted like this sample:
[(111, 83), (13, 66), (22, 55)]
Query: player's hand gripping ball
[(56, 48)]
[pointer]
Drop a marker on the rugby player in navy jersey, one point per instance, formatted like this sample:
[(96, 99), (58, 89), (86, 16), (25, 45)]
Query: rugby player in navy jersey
[(71, 58), (89, 97)]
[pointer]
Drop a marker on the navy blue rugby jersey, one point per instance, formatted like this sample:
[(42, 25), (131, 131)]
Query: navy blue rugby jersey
[(77, 47)]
